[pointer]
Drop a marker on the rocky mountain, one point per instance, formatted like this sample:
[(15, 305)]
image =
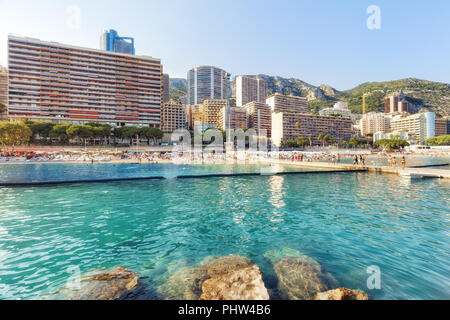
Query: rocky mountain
[(421, 94)]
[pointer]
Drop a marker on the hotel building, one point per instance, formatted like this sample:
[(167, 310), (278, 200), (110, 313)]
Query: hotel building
[(420, 126), (250, 89), (206, 82), (289, 126), (110, 41), (211, 111), (173, 117), (282, 103), (49, 81), (373, 122), (259, 117), (3, 92), (238, 118)]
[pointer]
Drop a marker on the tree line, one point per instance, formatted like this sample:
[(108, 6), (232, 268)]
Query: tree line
[(439, 141), (18, 133)]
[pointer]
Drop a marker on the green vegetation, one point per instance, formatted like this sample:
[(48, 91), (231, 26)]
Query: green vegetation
[(438, 141), (12, 134), (2, 108), (391, 144), (356, 142)]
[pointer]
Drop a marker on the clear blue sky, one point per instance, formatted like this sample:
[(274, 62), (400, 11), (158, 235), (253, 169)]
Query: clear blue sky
[(316, 41)]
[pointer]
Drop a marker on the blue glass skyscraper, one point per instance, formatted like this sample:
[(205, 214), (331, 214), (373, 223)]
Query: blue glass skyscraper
[(110, 41)]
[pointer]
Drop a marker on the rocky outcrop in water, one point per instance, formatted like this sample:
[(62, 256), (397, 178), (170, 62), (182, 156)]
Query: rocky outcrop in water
[(301, 278), (110, 285), (234, 278), (226, 278), (342, 294)]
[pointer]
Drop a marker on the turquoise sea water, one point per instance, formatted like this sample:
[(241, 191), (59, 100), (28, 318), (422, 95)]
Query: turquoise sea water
[(345, 221)]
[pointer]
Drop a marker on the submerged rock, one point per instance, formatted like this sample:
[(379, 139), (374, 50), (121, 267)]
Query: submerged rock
[(110, 285), (342, 294), (229, 278), (234, 278), (275, 255), (301, 278)]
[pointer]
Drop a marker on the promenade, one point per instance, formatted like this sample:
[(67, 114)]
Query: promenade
[(407, 172)]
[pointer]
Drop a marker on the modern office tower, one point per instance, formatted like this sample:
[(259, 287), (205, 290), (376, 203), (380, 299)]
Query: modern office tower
[(259, 117), (194, 114), (49, 81), (288, 126), (110, 41), (211, 111), (237, 117), (396, 103), (206, 82), (166, 88), (373, 122), (3, 93), (250, 89), (282, 103), (173, 117), (420, 126), (440, 127)]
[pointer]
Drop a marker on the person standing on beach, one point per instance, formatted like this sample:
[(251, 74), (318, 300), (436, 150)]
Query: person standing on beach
[(403, 162), (355, 162)]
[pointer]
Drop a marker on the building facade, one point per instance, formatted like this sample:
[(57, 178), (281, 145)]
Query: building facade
[(110, 41), (259, 117), (211, 112), (237, 118), (166, 88), (373, 122), (396, 103), (173, 117), (282, 103), (440, 127), (250, 89), (194, 115), (289, 126), (3, 93), (54, 82), (420, 126), (206, 82)]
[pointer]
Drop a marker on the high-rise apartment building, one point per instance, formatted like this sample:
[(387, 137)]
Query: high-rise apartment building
[(110, 41), (3, 93), (237, 118), (373, 122), (396, 103), (259, 117), (166, 88), (49, 81), (250, 89), (206, 82), (420, 126), (288, 126), (173, 117), (211, 111), (282, 103)]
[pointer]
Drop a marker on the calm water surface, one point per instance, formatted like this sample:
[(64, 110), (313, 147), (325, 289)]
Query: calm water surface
[(346, 221)]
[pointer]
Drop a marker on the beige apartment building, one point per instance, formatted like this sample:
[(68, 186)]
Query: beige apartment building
[(173, 117), (396, 103), (237, 118), (441, 127), (211, 111), (194, 114), (250, 89), (420, 126), (259, 117), (374, 122), (3, 92), (289, 126), (282, 103)]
